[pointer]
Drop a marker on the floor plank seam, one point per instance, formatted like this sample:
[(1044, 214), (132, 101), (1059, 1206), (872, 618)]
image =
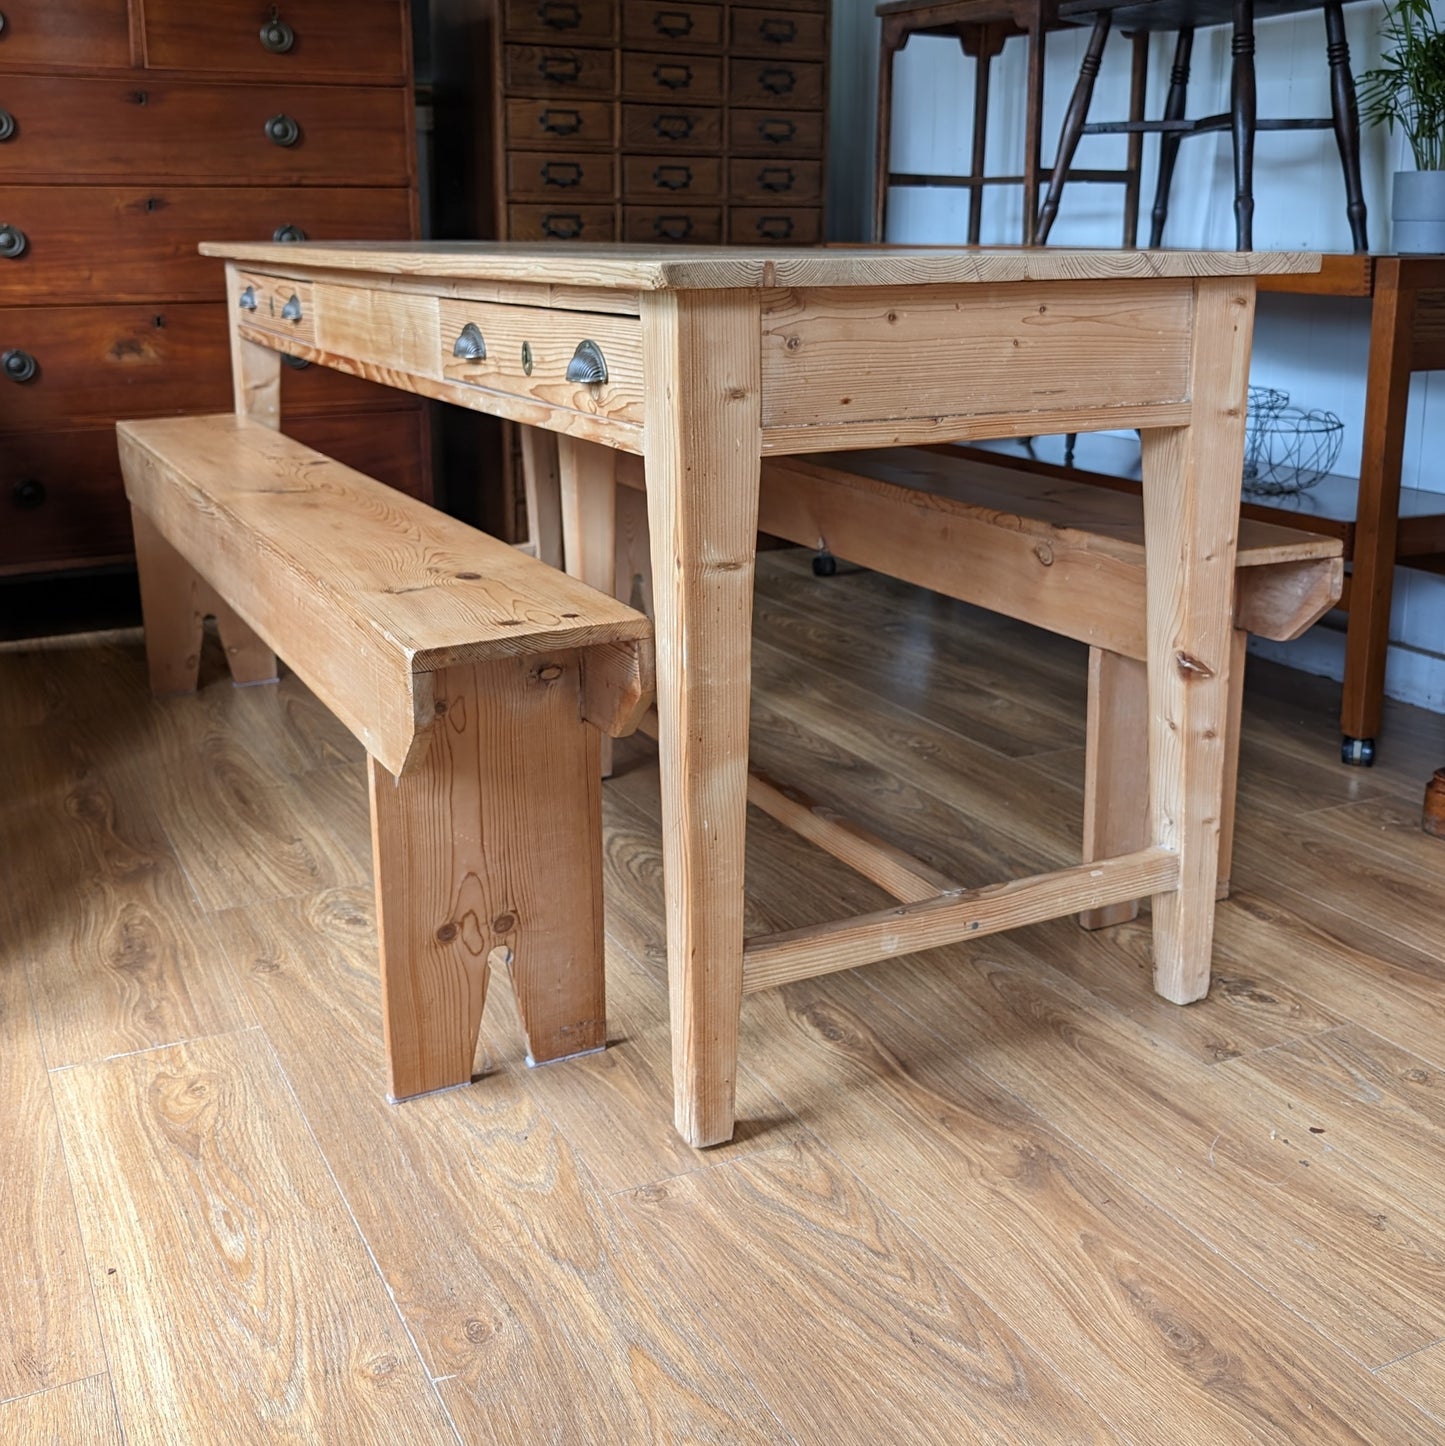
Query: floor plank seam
[(180, 1043), (55, 1386)]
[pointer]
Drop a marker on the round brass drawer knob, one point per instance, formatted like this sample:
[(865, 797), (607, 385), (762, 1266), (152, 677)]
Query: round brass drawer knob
[(282, 130), (288, 233), (13, 242), (277, 36), (7, 125), (19, 365)]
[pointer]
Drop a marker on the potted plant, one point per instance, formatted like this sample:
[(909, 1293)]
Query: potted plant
[(1407, 90)]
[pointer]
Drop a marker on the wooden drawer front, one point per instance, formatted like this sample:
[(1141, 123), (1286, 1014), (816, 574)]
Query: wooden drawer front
[(656, 25), (777, 133), (686, 78), (784, 83), (551, 339), (697, 225), (672, 128), (97, 363), (766, 180), (559, 70), (567, 125), (276, 304), (61, 500), (561, 222), (659, 178), (79, 129), (795, 225), (109, 243), (789, 34), (360, 40), (547, 174), (82, 34), (564, 22)]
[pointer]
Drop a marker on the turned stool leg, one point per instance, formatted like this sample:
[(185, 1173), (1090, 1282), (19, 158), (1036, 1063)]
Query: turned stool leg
[(1242, 112), (981, 64), (1346, 115), (1074, 119), (1174, 107)]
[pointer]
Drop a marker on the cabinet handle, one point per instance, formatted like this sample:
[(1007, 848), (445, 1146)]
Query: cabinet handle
[(28, 494), (672, 23), (562, 225), (559, 14), (19, 365), (247, 299), (777, 80), (776, 178), (563, 69), (7, 125), (672, 178), (560, 122), (281, 130), (288, 233), (777, 31), (13, 242), (470, 346), (563, 174), (775, 228), (673, 127), (588, 365), (528, 361), (296, 363), (672, 228), (777, 130), (277, 36), (292, 310), (674, 77)]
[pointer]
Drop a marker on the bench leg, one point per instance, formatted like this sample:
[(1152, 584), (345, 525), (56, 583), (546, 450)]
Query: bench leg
[(248, 657), (172, 600), (489, 850), (540, 484)]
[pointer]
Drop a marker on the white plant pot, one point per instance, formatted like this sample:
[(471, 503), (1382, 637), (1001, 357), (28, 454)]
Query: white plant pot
[(1417, 212)]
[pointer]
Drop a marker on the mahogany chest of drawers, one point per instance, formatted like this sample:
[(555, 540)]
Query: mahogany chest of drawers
[(131, 130)]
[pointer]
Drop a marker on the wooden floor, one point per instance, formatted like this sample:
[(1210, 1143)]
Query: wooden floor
[(997, 1193)]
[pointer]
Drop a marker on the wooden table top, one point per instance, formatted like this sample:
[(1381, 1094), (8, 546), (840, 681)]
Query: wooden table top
[(685, 268)]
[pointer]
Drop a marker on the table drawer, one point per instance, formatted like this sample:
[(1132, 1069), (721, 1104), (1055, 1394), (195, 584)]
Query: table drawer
[(774, 132), (658, 77), (785, 83), (81, 34), (301, 40), (797, 225), (585, 22), (790, 34), (770, 180), (109, 243), (546, 174), (567, 125), (559, 70), (658, 178), (252, 134), (528, 351), (561, 222), (672, 128), (276, 304), (656, 24), (697, 225)]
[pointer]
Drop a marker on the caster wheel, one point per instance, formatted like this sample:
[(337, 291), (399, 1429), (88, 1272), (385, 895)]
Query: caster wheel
[(1357, 752), (824, 564)]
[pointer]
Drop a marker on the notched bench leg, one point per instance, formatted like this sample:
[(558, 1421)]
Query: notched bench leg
[(489, 850), (248, 657)]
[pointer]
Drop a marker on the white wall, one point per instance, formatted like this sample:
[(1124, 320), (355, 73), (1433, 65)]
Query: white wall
[(1315, 350)]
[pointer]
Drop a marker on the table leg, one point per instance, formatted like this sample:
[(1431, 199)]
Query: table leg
[(1191, 519), (255, 373), (702, 420)]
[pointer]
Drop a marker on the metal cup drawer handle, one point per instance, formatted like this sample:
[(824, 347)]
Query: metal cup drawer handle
[(563, 174), (292, 310), (672, 178), (282, 130), (559, 14), (588, 365), (13, 242), (777, 129), (288, 233), (7, 125), (775, 228), (673, 228), (777, 80), (276, 35), (563, 69), (562, 225), (673, 127), (470, 345), (560, 122), (247, 299), (777, 31), (674, 77), (19, 365), (672, 23), (776, 178)]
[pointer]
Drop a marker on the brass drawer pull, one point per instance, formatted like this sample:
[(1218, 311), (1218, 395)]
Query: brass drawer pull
[(247, 299), (288, 233), (777, 31), (13, 242), (775, 228), (778, 80), (674, 77), (28, 494), (292, 310), (19, 365), (588, 365), (673, 127), (470, 345), (672, 23), (7, 125), (559, 14), (562, 225), (563, 174), (276, 35), (776, 178), (281, 130), (777, 129), (560, 122), (672, 178), (563, 69), (672, 228)]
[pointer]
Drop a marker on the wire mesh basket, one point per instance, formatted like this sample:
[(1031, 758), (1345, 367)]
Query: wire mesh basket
[(1287, 449)]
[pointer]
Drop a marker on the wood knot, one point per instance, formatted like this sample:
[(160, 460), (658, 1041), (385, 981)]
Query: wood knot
[(550, 673), (469, 577), (1045, 554), (446, 933), (1191, 667), (504, 923)]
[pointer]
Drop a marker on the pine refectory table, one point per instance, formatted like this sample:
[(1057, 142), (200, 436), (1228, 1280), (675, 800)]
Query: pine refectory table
[(704, 360)]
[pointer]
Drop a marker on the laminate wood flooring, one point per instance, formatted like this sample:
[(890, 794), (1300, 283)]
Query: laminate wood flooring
[(999, 1192)]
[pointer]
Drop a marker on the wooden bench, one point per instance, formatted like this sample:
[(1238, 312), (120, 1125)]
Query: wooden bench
[(478, 680)]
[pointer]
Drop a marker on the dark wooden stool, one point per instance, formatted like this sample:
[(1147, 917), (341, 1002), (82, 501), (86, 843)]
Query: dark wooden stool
[(981, 28), (1185, 16)]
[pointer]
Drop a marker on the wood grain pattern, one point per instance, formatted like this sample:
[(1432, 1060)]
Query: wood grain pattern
[(80, 1411)]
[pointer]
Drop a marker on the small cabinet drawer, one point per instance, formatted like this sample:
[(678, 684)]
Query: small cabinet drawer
[(672, 128), (694, 224), (559, 70), (654, 24), (361, 40), (777, 133), (786, 33), (82, 34), (275, 304), (587, 22), (528, 352), (776, 83), (562, 222), (656, 77), (567, 125), (253, 134), (754, 225), (652, 178), (547, 174), (764, 179)]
